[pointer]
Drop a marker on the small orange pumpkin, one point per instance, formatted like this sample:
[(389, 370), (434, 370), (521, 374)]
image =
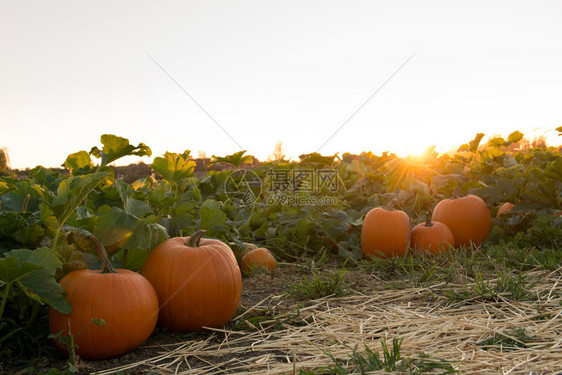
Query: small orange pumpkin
[(432, 236), (239, 252), (124, 299), (505, 208), (197, 280), (385, 232), (258, 258), (467, 217)]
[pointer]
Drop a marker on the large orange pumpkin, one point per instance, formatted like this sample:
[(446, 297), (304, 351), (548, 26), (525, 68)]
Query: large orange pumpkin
[(432, 236), (197, 280), (258, 258), (124, 299), (467, 217), (385, 232)]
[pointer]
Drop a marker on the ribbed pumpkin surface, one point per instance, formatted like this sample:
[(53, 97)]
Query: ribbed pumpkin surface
[(197, 287), (125, 300)]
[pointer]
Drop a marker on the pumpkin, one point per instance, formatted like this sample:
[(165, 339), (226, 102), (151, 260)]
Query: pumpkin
[(123, 299), (258, 258), (467, 217), (385, 232), (197, 280), (505, 208), (431, 236), (239, 252)]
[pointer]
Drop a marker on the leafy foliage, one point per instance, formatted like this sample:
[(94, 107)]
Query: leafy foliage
[(174, 167), (115, 147), (236, 159), (302, 211)]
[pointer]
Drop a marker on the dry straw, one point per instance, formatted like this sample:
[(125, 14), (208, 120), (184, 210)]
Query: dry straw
[(428, 323)]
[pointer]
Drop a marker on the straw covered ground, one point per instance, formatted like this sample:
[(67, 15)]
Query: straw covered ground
[(275, 333)]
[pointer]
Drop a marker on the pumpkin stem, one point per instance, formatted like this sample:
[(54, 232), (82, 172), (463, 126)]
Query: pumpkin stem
[(457, 194), (428, 219), (195, 238), (390, 205), (102, 254)]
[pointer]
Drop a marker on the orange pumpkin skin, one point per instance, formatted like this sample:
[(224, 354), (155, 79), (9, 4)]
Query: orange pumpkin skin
[(432, 236), (125, 300), (258, 258), (197, 286), (505, 208), (467, 217), (385, 232)]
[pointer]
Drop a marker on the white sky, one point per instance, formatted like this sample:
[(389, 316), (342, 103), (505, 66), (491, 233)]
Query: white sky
[(268, 71)]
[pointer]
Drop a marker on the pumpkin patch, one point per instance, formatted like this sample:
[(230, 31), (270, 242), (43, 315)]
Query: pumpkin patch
[(352, 268)]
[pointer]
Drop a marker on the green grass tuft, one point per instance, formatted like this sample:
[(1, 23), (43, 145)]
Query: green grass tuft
[(391, 361), (320, 286)]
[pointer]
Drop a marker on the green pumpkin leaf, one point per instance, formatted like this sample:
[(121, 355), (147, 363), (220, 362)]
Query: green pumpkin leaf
[(472, 145), (543, 197), (174, 167), (11, 270), (3, 187), (131, 205), (48, 179), (554, 170), (349, 251), (515, 137), (445, 184), (316, 158), (496, 142), (34, 272), (136, 208), (134, 260), (115, 147), (42, 287), (113, 227), (71, 192), (146, 236), (79, 163), (25, 196), (211, 215), (236, 159)]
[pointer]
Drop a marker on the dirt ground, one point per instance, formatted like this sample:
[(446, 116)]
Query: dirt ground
[(274, 333)]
